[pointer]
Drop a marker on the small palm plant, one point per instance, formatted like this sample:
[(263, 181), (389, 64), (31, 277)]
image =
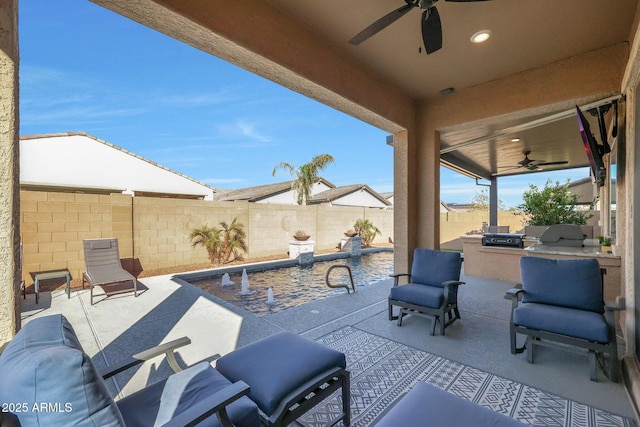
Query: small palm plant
[(210, 238), (224, 244), (234, 240), (367, 231)]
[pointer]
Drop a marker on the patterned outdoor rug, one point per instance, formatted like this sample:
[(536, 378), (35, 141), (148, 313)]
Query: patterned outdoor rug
[(383, 370)]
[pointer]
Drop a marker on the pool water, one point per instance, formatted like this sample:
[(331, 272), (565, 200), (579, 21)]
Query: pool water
[(293, 286)]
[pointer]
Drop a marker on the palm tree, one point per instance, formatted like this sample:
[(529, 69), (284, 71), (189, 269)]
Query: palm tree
[(366, 230), (305, 176), (210, 238), (234, 240), (221, 244)]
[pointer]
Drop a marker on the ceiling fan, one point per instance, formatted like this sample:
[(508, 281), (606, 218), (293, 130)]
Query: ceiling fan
[(532, 165), (431, 26)]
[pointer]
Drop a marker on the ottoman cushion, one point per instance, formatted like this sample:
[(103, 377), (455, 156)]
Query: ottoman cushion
[(427, 404), (275, 366)]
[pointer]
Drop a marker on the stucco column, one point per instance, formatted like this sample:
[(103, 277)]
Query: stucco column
[(9, 173), (402, 238)]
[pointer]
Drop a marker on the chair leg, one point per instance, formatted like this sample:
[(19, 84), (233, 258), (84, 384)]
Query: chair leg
[(401, 314), (391, 316), (531, 341), (442, 324), (593, 366), (346, 400), (512, 334)]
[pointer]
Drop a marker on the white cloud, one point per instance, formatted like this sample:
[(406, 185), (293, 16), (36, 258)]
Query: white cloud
[(243, 128)]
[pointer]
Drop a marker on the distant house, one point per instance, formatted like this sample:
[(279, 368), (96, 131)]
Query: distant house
[(389, 196), (456, 207), (323, 192), (585, 189), (279, 193), (78, 162), (351, 195)]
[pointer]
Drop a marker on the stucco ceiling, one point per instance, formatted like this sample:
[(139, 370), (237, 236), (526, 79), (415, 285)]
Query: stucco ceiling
[(526, 35)]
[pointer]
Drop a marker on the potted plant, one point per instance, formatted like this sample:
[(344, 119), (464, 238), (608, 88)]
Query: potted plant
[(301, 235), (605, 244)]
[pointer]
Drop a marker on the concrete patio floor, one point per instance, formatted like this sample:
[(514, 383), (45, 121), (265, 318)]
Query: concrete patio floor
[(121, 325)]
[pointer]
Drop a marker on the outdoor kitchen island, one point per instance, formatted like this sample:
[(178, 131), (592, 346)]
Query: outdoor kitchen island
[(503, 263)]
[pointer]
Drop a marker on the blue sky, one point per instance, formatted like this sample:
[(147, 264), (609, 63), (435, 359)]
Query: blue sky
[(84, 68)]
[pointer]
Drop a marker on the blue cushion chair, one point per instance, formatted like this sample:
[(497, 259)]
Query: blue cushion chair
[(45, 365), (432, 288), (426, 404), (562, 303)]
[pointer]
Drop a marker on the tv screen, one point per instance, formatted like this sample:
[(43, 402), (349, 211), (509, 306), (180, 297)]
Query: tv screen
[(593, 150)]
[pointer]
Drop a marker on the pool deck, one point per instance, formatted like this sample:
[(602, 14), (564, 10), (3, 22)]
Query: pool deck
[(170, 308)]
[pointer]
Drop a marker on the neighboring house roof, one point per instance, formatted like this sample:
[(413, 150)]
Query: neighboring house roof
[(351, 195), (263, 193), (585, 189), (460, 207), (76, 161)]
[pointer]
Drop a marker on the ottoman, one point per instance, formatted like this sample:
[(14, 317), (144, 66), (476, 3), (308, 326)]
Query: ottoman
[(427, 404), (288, 375)]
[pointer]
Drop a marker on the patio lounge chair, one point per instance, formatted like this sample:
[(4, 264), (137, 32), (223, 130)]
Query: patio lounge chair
[(432, 290), (562, 303), (45, 365), (103, 267)]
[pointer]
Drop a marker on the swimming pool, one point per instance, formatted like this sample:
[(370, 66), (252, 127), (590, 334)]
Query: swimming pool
[(297, 285)]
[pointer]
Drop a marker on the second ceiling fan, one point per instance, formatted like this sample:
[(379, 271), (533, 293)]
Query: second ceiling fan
[(431, 25), (532, 165)]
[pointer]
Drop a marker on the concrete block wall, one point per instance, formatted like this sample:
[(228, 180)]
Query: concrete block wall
[(153, 233), (53, 226)]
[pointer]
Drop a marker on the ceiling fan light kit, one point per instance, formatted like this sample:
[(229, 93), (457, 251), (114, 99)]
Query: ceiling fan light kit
[(430, 22)]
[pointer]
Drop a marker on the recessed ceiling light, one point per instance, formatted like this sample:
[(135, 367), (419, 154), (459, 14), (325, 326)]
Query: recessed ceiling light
[(481, 36), (515, 139)]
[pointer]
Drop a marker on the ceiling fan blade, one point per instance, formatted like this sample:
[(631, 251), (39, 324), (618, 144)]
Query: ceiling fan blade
[(559, 162), (381, 24), (464, 1), (431, 30)]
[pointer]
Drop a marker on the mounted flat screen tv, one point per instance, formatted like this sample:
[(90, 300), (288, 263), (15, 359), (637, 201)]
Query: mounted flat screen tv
[(594, 151)]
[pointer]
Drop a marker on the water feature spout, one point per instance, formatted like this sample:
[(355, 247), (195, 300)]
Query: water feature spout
[(270, 299), (245, 283), (226, 281)]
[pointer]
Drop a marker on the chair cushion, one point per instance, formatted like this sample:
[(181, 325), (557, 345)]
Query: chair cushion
[(45, 365), (426, 404), (431, 267), (562, 320), (275, 366), (573, 283), (164, 400), (418, 294)]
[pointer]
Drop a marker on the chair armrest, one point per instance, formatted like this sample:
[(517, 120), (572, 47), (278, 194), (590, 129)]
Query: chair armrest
[(515, 294), (396, 277), (451, 290), (453, 282), (215, 403), (618, 305), (167, 349)]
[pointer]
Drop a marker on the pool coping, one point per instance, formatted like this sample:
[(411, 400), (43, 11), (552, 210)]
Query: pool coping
[(267, 265)]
